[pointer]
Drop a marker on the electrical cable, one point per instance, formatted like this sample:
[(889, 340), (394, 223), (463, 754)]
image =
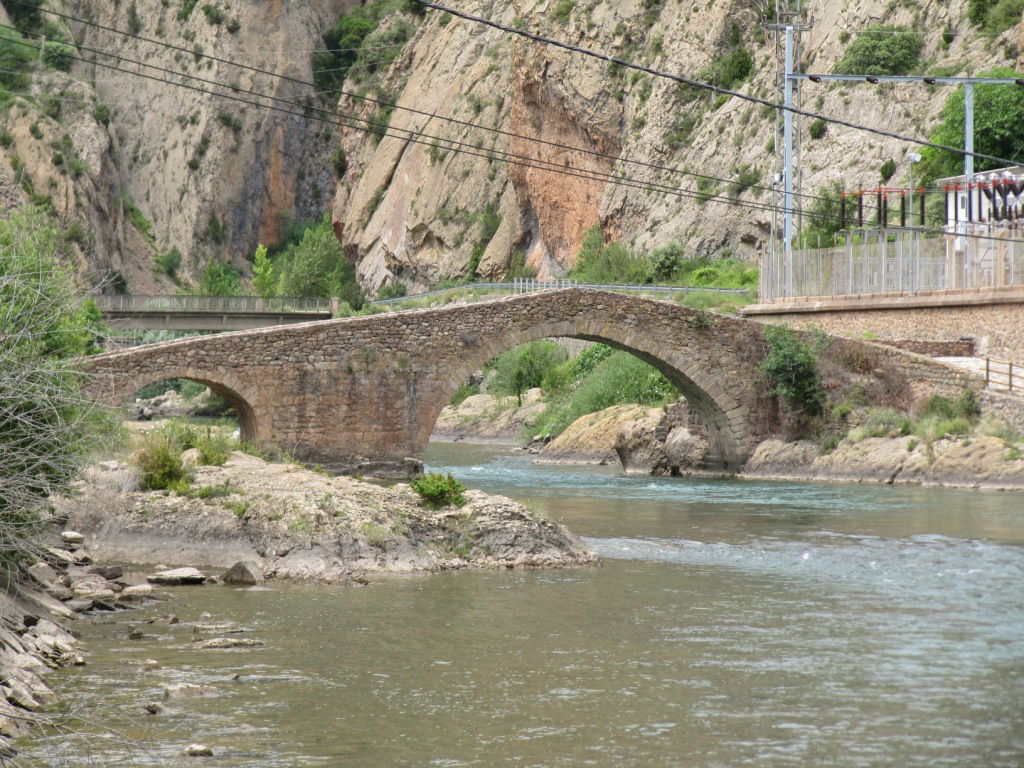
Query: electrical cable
[(391, 105), (706, 86)]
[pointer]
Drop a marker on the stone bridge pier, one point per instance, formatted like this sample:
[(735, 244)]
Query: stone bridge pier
[(361, 395)]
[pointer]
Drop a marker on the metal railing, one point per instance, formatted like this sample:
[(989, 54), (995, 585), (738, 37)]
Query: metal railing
[(885, 261), (214, 304), (999, 375)]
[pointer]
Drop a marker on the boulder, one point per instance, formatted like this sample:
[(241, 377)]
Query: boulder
[(243, 573), (44, 574), (73, 537), (137, 591), (197, 750), (108, 572), (176, 577)]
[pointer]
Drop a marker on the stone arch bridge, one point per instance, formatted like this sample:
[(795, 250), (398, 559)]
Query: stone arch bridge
[(361, 394)]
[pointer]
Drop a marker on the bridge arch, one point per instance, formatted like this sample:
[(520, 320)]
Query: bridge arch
[(728, 437), (234, 391)]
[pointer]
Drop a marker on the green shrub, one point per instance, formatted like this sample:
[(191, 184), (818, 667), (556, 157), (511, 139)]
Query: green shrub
[(182, 434), (219, 279), (58, 55), (214, 15), (15, 61), (817, 128), (562, 11), (464, 391), (1003, 15), (598, 262), (158, 458), (887, 170), (213, 491), (339, 163), (792, 368), (732, 67), (312, 263), (186, 9), (881, 49), (883, 422), (439, 490), (393, 290), (169, 261), (214, 448), (616, 378)]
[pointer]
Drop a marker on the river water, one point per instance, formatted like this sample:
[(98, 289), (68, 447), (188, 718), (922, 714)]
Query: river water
[(730, 623)]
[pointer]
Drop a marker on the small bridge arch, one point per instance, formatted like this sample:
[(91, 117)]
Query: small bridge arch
[(235, 391)]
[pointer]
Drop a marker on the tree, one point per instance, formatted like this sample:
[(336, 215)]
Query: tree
[(824, 218), (524, 367), (881, 49), (317, 266), (998, 121), (220, 279), (263, 279), (792, 367), (47, 428)]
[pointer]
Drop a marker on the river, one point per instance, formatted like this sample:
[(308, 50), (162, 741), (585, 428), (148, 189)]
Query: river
[(730, 623)]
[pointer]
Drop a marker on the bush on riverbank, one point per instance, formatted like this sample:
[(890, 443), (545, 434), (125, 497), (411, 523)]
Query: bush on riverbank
[(439, 490), (597, 379), (47, 428)]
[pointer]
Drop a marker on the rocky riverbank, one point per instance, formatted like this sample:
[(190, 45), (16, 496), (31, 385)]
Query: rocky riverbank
[(292, 523), (486, 418), (37, 605), (979, 462)]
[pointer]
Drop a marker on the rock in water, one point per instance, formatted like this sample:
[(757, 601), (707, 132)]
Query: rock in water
[(108, 572), (177, 576), (227, 642), (243, 573), (188, 691), (197, 750)]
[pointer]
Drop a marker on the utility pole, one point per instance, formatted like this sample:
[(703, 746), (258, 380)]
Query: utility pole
[(788, 26)]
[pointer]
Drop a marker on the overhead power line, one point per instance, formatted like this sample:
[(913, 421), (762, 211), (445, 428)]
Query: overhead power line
[(417, 136), (392, 105), (414, 136), (706, 86)]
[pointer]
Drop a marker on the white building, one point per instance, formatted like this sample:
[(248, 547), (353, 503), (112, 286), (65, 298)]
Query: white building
[(993, 198)]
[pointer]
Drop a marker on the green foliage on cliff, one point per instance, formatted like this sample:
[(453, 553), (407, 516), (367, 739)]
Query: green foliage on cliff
[(998, 117), (355, 44), (881, 49), (600, 262), (995, 18), (15, 64), (734, 66)]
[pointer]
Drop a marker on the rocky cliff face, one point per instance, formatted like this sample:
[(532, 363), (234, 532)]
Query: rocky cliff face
[(419, 212), (169, 168)]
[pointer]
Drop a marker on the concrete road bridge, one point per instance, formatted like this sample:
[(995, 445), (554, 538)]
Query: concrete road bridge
[(361, 394)]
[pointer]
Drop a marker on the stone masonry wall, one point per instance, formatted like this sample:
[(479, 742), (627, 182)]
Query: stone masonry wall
[(995, 323), (363, 393)]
